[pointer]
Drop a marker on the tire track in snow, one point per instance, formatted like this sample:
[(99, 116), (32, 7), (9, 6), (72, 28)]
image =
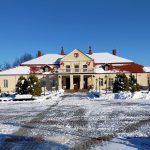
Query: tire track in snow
[(11, 142)]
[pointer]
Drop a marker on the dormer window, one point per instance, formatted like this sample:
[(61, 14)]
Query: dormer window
[(46, 68), (105, 67)]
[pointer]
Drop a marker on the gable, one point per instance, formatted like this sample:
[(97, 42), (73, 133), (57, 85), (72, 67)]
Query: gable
[(76, 55)]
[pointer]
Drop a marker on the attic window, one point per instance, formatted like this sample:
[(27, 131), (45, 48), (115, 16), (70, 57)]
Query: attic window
[(76, 55)]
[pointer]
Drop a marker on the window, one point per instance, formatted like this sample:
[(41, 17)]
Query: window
[(5, 83), (76, 55), (111, 81), (76, 68), (106, 68), (84, 68), (67, 68), (53, 83), (46, 69), (101, 82)]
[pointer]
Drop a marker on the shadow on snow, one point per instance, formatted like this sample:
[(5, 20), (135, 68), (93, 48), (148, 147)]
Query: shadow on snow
[(11, 142)]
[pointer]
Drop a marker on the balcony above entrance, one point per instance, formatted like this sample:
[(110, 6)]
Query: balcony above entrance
[(76, 70)]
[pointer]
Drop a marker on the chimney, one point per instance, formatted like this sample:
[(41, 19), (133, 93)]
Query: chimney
[(62, 51), (114, 52), (90, 51), (39, 53)]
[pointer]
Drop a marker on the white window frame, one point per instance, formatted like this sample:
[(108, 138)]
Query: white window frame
[(85, 68), (5, 83), (111, 82), (67, 68), (76, 68), (101, 82)]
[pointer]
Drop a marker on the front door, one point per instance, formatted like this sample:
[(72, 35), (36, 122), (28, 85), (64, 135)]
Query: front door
[(76, 82)]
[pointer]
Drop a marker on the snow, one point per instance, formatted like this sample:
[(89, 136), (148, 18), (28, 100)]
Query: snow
[(6, 98), (124, 144), (45, 59), (146, 69), (74, 120), (98, 95), (20, 70), (23, 96), (98, 58), (101, 70), (108, 58)]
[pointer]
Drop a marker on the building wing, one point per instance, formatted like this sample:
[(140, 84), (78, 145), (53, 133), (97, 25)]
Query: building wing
[(20, 70)]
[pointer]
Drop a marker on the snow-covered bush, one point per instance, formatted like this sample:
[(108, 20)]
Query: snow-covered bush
[(22, 85), (29, 86), (121, 83), (34, 86), (133, 85)]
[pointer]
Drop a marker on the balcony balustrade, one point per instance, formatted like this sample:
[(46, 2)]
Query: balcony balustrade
[(76, 70)]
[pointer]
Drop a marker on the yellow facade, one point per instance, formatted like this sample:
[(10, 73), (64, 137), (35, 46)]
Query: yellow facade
[(11, 82), (76, 71)]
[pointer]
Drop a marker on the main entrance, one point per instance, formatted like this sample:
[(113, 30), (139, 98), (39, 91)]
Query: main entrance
[(76, 82)]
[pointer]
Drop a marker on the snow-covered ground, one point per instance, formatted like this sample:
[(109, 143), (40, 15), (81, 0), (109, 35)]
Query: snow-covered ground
[(100, 95), (76, 121)]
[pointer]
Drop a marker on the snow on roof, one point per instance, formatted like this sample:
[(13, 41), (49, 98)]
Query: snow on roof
[(98, 58), (45, 59), (146, 69), (20, 70), (99, 69), (108, 58)]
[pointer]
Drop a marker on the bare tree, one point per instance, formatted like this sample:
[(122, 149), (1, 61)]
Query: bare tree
[(26, 57), (16, 62), (0, 67), (22, 59), (6, 65)]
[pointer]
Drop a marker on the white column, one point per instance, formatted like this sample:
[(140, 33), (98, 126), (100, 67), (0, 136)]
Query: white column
[(81, 82), (93, 81), (71, 82), (59, 82)]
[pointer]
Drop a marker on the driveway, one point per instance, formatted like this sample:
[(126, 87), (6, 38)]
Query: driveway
[(70, 122)]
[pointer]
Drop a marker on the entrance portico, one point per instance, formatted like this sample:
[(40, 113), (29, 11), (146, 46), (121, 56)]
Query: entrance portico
[(75, 81)]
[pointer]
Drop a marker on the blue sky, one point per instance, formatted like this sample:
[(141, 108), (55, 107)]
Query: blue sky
[(30, 25)]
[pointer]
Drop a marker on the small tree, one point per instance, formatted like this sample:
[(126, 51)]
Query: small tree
[(133, 85), (121, 83), (34, 86), (22, 85)]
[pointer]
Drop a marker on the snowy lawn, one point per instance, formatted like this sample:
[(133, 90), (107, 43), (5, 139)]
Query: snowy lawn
[(75, 121)]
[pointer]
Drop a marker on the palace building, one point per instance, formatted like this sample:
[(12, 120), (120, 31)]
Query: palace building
[(76, 71)]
